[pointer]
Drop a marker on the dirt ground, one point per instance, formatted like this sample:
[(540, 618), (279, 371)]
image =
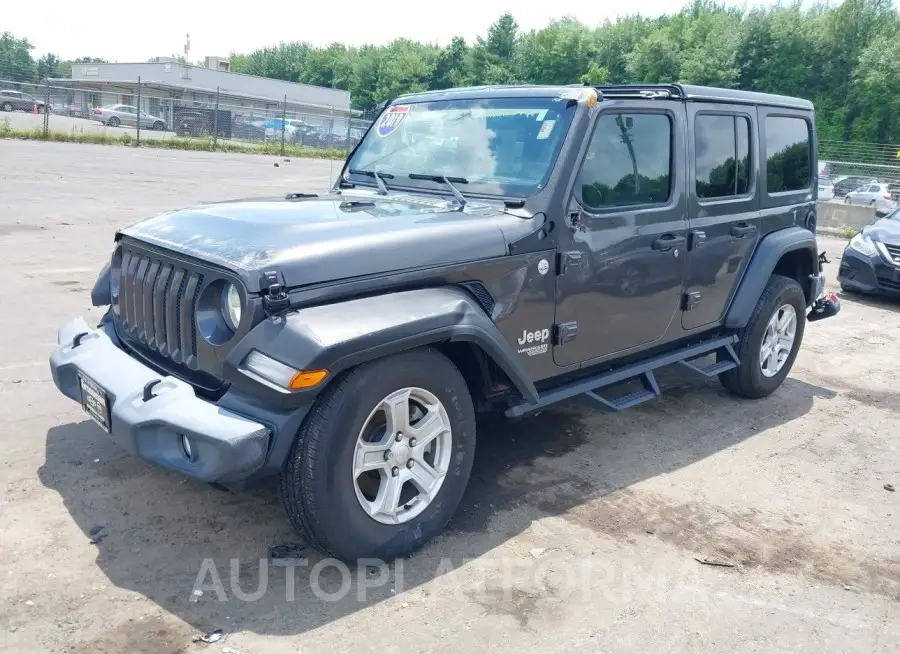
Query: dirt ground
[(580, 532)]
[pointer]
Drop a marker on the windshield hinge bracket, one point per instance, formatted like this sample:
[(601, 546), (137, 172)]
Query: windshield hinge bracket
[(275, 297)]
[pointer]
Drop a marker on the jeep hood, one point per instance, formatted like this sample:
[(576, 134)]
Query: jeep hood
[(320, 239)]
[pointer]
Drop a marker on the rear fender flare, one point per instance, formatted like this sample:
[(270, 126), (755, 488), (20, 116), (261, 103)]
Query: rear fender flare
[(336, 337), (765, 258)]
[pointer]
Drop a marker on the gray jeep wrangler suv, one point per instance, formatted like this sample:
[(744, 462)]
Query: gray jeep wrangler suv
[(483, 249)]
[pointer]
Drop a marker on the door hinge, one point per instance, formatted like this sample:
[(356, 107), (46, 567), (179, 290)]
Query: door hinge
[(275, 297), (690, 300), (698, 238), (565, 332), (567, 260)]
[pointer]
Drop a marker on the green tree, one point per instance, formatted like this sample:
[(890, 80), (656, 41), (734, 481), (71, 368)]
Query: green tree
[(16, 63), (451, 66)]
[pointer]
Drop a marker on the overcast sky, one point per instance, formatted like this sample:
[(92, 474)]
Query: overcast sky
[(71, 29)]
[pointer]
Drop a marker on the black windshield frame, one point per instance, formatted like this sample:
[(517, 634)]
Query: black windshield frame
[(560, 110)]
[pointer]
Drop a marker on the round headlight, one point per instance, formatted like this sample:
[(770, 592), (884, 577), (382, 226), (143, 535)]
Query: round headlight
[(231, 306)]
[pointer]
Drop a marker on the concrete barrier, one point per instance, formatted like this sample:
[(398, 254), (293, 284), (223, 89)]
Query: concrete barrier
[(834, 217)]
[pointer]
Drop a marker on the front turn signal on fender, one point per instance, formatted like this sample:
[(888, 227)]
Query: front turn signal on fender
[(281, 374), (307, 379)]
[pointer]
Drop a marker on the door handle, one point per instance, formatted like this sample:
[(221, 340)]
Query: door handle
[(742, 229), (667, 242)]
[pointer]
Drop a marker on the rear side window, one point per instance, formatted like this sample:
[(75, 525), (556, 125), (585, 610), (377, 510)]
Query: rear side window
[(722, 155), (787, 154), (628, 162)]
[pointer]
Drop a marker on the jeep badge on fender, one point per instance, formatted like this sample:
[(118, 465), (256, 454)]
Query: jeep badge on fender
[(343, 341)]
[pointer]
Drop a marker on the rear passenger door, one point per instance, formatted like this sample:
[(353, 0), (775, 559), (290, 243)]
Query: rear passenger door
[(723, 207)]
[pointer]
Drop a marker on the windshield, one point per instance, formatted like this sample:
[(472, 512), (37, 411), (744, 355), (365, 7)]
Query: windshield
[(497, 146)]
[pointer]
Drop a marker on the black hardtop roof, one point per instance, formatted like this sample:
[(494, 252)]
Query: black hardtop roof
[(685, 92)]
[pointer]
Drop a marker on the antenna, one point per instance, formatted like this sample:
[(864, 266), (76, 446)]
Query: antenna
[(187, 46)]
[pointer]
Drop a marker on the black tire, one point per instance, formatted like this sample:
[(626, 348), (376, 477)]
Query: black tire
[(847, 289), (6, 106), (159, 126), (317, 486), (748, 380), (113, 122)]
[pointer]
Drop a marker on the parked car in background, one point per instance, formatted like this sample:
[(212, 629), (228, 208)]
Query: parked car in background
[(876, 195), (192, 123), (124, 114), (826, 188), (247, 128), (846, 183), (871, 261), (18, 101)]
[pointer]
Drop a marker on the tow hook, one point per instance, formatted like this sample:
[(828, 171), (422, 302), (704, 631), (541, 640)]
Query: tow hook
[(824, 307)]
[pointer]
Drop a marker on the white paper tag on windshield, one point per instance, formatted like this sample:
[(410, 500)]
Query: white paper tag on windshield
[(545, 129)]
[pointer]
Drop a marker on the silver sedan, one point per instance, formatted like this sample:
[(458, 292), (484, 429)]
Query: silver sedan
[(123, 114)]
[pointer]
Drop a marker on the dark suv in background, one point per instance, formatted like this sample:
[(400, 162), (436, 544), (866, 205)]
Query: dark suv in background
[(18, 101)]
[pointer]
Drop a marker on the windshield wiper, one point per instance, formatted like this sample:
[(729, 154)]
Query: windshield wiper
[(443, 179), (379, 178)]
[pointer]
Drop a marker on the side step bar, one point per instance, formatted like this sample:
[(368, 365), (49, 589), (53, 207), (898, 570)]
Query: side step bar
[(643, 371)]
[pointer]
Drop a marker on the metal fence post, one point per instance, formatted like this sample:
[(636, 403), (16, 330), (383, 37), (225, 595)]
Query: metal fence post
[(347, 145), (47, 110), (138, 121), (216, 120), (283, 121)]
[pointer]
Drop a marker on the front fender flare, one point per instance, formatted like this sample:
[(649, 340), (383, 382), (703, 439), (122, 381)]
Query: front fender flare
[(100, 294), (336, 337), (765, 257)]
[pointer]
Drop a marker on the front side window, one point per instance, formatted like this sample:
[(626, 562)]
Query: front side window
[(722, 155), (499, 146), (788, 154), (628, 162)]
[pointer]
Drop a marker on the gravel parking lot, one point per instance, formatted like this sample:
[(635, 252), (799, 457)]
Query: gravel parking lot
[(580, 532)]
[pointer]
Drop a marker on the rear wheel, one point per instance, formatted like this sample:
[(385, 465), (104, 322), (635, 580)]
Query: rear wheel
[(382, 461), (6, 106), (770, 341), (159, 126)]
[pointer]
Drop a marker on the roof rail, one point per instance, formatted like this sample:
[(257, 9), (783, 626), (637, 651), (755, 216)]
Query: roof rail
[(649, 91)]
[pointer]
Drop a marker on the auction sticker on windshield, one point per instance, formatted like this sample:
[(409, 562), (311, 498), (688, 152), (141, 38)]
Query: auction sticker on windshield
[(392, 119)]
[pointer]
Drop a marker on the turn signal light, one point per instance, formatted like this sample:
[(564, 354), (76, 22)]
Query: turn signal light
[(307, 379)]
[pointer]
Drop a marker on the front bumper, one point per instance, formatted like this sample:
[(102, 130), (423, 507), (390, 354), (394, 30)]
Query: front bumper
[(224, 445), (868, 274)]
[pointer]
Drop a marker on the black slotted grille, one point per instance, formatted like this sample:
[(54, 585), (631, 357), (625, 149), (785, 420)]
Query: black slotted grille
[(157, 304), (893, 251)]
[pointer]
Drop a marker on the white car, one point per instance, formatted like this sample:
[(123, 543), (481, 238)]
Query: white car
[(826, 188), (877, 196)]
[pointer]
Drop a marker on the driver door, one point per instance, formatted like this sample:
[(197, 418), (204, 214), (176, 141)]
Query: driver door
[(626, 229)]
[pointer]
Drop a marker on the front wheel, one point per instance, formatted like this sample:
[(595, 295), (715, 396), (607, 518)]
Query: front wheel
[(382, 460), (770, 341), (159, 126), (113, 122), (6, 106)]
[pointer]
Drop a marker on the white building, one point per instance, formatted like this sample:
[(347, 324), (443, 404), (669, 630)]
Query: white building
[(167, 85)]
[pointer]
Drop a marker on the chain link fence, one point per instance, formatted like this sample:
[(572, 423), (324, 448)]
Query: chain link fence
[(132, 112), (850, 165)]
